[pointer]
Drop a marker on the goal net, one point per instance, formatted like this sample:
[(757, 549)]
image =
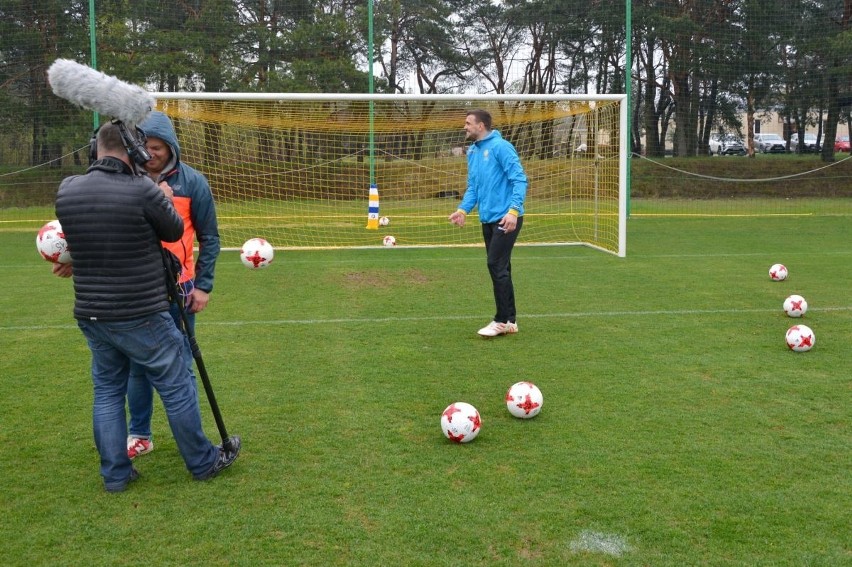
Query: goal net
[(320, 171)]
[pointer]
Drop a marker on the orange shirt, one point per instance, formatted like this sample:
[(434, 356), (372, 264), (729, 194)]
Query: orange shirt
[(183, 248)]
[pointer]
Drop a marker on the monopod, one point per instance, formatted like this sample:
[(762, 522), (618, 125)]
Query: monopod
[(187, 329)]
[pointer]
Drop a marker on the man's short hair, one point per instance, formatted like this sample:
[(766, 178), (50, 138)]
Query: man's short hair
[(482, 116), (109, 139)]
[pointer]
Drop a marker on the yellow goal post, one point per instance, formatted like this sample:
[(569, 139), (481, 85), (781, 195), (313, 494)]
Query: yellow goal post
[(345, 170)]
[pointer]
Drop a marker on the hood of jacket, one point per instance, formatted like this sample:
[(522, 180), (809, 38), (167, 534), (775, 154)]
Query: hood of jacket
[(158, 125)]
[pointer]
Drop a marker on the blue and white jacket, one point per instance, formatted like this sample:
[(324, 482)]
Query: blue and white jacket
[(496, 181)]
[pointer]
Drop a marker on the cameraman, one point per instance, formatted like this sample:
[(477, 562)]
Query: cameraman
[(114, 221)]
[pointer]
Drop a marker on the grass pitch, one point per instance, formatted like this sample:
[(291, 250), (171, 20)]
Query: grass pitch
[(677, 427)]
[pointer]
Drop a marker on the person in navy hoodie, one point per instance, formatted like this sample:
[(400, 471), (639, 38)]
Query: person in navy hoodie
[(193, 200), (497, 184)]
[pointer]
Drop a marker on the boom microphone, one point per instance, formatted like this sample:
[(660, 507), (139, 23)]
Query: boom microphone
[(96, 91)]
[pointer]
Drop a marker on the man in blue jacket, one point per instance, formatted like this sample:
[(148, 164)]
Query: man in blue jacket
[(194, 202), (497, 184)]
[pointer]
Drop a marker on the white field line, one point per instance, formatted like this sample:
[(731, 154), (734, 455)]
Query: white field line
[(521, 254), (596, 542), (392, 320), (395, 256)]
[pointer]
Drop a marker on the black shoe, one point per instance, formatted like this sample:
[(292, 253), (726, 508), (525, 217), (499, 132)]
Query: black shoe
[(224, 457), (134, 474)]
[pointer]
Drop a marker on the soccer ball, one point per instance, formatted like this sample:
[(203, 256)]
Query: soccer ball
[(51, 244), (460, 422), (800, 338), (389, 240), (384, 221), (257, 253), (795, 306), (524, 400), (778, 272)]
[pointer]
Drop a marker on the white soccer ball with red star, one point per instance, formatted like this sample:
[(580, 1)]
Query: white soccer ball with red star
[(51, 243), (800, 338), (460, 422), (778, 272), (389, 240), (795, 306), (384, 221), (257, 253), (524, 400)]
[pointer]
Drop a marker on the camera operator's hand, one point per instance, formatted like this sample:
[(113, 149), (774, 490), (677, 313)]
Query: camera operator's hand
[(62, 270), (167, 190)]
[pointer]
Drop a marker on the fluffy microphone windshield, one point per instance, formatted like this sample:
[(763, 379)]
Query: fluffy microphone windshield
[(99, 92)]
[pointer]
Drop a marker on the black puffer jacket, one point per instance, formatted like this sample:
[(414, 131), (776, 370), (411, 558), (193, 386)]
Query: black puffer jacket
[(113, 222)]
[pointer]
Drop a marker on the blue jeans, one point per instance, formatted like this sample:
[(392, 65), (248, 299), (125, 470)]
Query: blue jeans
[(154, 343), (140, 393)]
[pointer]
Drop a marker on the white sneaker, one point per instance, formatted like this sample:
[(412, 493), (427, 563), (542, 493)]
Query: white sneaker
[(138, 446), (494, 329)]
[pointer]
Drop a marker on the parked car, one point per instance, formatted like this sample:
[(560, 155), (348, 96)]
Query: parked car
[(726, 146), (810, 144), (841, 144), (770, 144)]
